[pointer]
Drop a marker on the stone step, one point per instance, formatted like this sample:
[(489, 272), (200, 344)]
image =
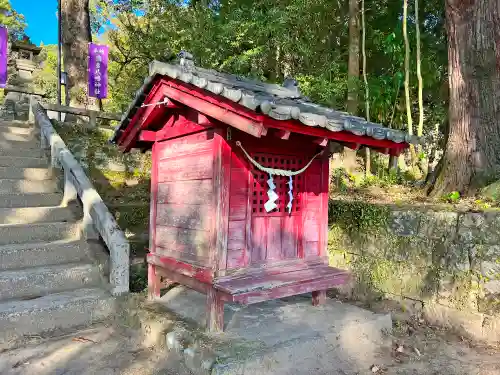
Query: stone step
[(19, 158), (16, 123), (33, 215), (33, 174), (30, 200), (16, 137), (42, 254), (40, 281), (12, 144), (42, 232), (60, 311), (13, 129), (27, 187)]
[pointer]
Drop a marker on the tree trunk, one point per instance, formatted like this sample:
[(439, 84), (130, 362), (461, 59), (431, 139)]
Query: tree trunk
[(349, 155), (368, 160), (76, 36), (353, 68), (472, 154)]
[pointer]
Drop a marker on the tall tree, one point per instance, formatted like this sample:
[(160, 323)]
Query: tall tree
[(472, 155), (420, 128), (368, 164), (76, 36), (353, 65), (349, 156)]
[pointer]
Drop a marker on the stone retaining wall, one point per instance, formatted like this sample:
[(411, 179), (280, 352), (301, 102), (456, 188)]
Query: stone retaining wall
[(431, 259)]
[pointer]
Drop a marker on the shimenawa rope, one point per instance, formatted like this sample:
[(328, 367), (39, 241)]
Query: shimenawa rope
[(273, 171)]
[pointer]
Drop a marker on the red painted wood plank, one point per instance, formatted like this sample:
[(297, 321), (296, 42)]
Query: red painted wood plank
[(311, 248), (239, 161), (197, 260), (222, 183), (311, 228), (286, 291), (323, 142), (147, 136), (236, 235), (236, 258), (238, 207), (289, 238), (200, 142), (153, 283), (243, 285), (186, 167), (238, 193), (275, 267), (258, 249), (248, 220), (227, 116), (179, 127), (274, 238), (215, 311), (153, 200), (239, 182), (184, 216), (323, 218), (199, 273), (282, 134), (183, 240), (195, 192), (302, 145)]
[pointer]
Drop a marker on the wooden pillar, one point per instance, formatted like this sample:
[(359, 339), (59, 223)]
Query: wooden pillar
[(215, 312), (153, 283), (318, 297)]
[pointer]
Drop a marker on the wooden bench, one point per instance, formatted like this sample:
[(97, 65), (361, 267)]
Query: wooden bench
[(246, 288)]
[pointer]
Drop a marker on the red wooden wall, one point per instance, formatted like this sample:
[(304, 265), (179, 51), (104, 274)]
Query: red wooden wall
[(208, 202), (182, 199), (256, 237)]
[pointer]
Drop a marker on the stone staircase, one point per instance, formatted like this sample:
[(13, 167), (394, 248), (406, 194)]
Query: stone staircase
[(50, 276)]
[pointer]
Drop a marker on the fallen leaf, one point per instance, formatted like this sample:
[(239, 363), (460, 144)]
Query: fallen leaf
[(375, 368), (417, 351), (400, 349)]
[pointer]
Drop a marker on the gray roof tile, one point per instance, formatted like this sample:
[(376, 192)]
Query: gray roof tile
[(277, 102)]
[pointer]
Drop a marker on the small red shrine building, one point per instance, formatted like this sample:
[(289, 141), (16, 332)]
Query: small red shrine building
[(239, 186)]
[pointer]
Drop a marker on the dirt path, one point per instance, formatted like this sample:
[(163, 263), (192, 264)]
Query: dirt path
[(418, 349), (98, 351), (105, 350)]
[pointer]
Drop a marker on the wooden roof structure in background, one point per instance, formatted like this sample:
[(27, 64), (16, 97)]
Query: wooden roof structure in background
[(279, 103)]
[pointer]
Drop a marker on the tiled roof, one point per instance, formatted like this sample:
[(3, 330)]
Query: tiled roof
[(277, 102)]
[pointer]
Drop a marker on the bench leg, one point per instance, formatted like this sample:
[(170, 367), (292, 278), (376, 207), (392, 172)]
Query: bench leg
[(318, 297), (154, 284), (215, 311)]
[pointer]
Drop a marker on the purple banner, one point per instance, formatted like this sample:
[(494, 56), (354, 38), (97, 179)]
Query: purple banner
[(98, 70), (3, 56)]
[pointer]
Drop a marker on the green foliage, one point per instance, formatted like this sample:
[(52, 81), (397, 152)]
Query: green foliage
[(45, 77), (452, 197), (271, 40), (14, 21)]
